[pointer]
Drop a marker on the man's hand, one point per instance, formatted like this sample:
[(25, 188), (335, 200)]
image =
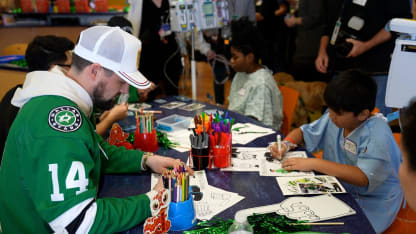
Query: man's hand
[(118, 112), (300, 164), (358, 48), (159, 163), (321, 62)]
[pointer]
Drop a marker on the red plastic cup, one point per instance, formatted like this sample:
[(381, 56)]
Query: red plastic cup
[(222, 156), (221, 145), (146, 141)]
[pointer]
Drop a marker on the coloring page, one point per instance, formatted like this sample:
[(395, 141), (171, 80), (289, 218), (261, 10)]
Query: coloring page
[(138, 106), (246, 159), (309, 185), (314, 209), (172, 105), (214, 201), (244, 133), (192, 106), (273, 167)]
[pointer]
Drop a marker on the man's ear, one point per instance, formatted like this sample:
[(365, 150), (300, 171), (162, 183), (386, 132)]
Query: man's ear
[(363, 115), (93, 71)]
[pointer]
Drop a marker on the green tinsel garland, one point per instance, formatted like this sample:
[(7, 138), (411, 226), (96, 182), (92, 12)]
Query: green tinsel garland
[(162, 139), (215, 226), (274, 223), (261, 223), (130, 138)]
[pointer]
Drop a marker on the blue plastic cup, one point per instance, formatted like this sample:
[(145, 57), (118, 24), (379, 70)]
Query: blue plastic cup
[(182, 215)]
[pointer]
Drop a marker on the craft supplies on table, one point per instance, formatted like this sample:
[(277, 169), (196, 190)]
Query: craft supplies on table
[(173, 123), (145, 137)]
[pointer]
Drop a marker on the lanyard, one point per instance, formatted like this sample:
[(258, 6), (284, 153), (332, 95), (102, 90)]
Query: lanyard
[(338, 23)]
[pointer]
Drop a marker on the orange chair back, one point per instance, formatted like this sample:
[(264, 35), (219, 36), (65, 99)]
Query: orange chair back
[(290, 98)]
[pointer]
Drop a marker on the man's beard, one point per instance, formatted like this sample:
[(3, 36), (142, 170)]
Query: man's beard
[(99, 101)]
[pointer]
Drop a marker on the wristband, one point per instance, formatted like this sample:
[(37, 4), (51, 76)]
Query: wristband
[(290, 139), (144, 160), (289, 145)]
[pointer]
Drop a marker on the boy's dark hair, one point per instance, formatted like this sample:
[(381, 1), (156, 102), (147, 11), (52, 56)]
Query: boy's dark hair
[(44, 51), (352, 91), (408, 125), (79, 64), (246, 38), (121, 22)]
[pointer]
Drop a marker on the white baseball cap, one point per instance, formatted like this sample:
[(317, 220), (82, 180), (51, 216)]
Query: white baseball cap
[(115, 50)]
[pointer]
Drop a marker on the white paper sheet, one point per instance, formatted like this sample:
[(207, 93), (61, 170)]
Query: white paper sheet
[(244, 133), (246, 158), (214, 201), (181, 137), (273, 167), (310, 209), (309, 185), (138, 106), (314, 209)]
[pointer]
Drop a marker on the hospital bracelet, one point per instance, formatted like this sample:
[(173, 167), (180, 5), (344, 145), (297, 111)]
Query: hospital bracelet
[(290, 139), (289, 145), (144, 160)]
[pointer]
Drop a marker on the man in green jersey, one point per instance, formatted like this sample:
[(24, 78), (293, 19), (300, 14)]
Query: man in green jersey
[(53, 157)]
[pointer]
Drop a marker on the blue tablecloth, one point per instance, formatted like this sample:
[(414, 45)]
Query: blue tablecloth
[(257, 190)]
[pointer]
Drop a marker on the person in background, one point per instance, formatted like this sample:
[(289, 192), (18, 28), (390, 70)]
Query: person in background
[(358, 148), (254, 91), (355, 38), (218, 53), (309, 23), (53, 158), (160, 57), (407, 171), (42, 53), (269, 16)]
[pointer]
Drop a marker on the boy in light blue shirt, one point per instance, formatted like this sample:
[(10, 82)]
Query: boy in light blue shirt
[(358, 147)]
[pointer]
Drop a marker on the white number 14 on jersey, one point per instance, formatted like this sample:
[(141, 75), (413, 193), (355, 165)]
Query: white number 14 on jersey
[(77, 167)]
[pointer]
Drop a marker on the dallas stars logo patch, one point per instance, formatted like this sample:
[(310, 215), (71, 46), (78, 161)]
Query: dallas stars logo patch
[(65, 119)]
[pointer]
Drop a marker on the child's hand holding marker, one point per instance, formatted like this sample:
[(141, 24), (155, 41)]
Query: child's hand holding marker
[(277, 148)]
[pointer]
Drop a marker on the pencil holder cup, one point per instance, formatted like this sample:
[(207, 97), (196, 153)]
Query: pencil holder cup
[(182, 215), (222, 156), (201, 158), (221, 153), (146, 141)]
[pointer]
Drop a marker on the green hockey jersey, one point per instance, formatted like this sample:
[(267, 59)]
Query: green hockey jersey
[(52, 163)]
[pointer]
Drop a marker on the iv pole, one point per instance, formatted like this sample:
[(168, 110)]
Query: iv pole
[(193, 64)]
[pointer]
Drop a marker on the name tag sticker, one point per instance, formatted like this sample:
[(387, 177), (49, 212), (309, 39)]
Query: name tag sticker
[(350, 146)]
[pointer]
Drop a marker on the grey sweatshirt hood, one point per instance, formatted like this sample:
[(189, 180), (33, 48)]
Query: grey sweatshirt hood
[(54, 82)]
